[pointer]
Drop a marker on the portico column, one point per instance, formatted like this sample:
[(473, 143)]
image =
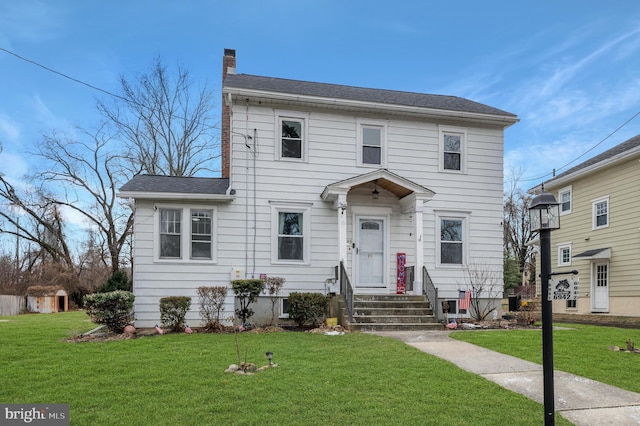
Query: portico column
[(341, 204), (419, 228)]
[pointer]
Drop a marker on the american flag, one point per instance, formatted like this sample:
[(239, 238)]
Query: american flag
[(465, 299)]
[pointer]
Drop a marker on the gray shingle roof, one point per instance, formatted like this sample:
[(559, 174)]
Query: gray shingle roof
[(335, 91), (176, 185), (628, 145)]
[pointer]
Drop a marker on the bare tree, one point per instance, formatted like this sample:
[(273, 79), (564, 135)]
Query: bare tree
[(167, 128), (517, 230), (88, 175), (485, 286)]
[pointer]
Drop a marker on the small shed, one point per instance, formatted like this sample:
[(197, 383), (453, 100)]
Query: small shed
[(47, 299)]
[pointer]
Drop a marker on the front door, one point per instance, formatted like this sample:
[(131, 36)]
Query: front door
[(600, 286), (370, 252)]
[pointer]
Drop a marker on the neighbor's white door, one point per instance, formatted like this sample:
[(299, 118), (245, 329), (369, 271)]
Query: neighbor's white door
[(600, 286), (370, 252)]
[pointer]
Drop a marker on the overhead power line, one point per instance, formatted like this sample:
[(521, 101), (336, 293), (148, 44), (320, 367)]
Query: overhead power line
[(63, 74)]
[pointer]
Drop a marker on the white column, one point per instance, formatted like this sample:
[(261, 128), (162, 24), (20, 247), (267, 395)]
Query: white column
[(341, 204), (419, 229)]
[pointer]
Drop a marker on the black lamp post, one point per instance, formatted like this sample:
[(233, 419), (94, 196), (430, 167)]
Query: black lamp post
[(544, 216)]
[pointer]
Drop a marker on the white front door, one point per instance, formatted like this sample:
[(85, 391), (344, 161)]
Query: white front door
[(370, 252), (600, 287)]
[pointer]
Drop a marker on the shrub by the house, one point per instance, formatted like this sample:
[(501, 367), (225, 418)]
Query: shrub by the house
[(247, 291), (173, 310), (308, 308), (113, 309), (211, 305)]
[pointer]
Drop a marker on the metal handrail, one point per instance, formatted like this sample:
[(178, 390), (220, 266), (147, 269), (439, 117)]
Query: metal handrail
[(430, 290), (346, 290)]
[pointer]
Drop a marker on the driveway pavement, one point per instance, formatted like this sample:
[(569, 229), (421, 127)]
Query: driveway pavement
[(582, 401)]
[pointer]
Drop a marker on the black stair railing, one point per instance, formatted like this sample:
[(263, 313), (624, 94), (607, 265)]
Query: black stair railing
[(430, 290), (346, 290)]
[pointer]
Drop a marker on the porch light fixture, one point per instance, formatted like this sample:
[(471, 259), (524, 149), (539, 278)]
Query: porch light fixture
[(544, 216), (375, 194)]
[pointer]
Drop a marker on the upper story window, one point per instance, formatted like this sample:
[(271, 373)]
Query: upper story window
[(371, 143), (564, 254), (291, 236), (452, 149), (291, 136), (600, 212), (564, 197), (198, 236)]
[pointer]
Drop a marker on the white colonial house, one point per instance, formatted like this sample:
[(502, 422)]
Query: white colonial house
[(329, 187)]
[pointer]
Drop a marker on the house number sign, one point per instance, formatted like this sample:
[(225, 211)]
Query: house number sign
[(564, 289)]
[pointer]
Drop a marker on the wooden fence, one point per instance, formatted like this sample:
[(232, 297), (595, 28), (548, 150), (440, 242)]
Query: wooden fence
[(12, 305)]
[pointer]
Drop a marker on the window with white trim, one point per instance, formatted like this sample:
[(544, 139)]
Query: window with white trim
[(452, 245), (453, 143), (291, 136), (172, 235), (371, 143), (201, 237), (291, 233), (284, 308), (600, 212), (564, 254), (564, 197)]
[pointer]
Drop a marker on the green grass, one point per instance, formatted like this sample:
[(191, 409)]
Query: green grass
[(580, 349), (179, 379)]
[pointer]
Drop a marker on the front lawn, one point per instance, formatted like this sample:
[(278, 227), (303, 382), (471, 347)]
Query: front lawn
[(179, 379), (578, 349)]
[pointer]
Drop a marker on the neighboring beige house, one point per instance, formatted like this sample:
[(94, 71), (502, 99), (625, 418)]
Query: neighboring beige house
[(599, 231)]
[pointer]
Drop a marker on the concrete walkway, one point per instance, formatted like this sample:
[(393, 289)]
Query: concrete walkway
[(580, 400)]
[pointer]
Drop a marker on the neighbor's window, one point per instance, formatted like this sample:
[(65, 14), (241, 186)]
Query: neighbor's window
[(451, 241), (201, 221), (564, 196), (600, 208), (564, 254), (170, 220)]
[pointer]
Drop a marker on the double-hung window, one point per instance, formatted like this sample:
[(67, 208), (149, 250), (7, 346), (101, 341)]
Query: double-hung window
[(600, 210), (201, 237), (451, 249), (452, 149), (291, 136), (170, 233), (564, 197), (291, 233), (371, 142), (185, 234)]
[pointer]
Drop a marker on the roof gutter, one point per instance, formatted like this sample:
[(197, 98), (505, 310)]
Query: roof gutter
[(502, 120)]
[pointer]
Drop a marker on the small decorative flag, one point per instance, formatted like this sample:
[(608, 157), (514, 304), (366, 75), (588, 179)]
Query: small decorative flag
[(465, 300)]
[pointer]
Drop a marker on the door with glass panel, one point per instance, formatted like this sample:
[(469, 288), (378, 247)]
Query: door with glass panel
[(370, 252)]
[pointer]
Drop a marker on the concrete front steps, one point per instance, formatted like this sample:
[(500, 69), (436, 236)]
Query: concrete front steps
[(392, 312)]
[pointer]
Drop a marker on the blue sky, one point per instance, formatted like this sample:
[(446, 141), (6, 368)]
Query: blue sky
[(568, 68)]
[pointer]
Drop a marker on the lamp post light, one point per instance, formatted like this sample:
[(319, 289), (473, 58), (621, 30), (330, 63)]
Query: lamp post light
[(544, 216)]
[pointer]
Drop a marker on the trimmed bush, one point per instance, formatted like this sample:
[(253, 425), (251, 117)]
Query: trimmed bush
[(113, 309), (308, 308), (173, 310), (211, 305), (247, 291), (118, 281)]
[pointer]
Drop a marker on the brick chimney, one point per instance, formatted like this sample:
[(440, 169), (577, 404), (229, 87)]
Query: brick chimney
[(228, 67)]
